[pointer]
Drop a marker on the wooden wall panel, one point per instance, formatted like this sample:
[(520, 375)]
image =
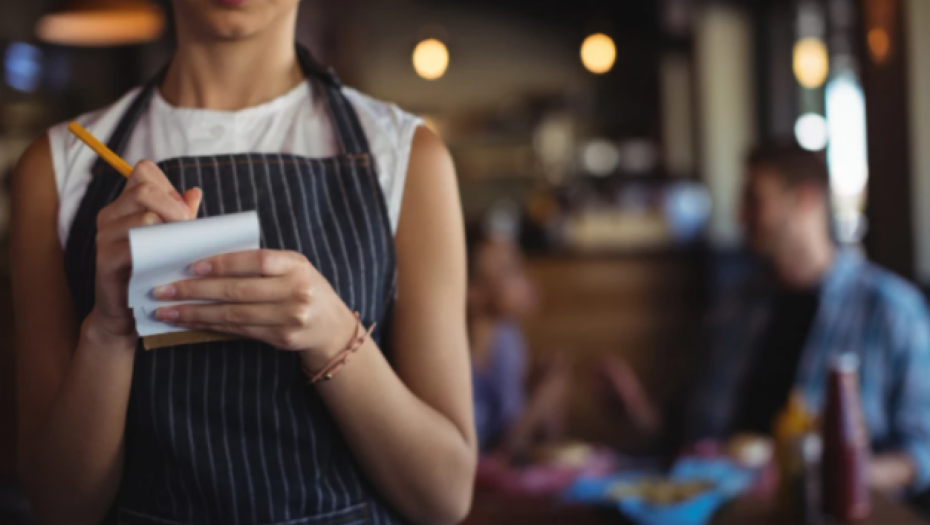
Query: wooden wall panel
[(643, 308)]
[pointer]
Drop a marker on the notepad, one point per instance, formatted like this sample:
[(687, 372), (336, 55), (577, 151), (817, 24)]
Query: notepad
[(164, 253)]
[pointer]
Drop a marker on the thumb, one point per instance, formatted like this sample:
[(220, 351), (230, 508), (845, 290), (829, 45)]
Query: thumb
[(193, 197)]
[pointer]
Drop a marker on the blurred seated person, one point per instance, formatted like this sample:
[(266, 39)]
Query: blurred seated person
[(499, 295), (810, 301)]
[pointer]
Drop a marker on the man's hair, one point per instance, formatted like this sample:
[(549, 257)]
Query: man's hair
[(791, 163)]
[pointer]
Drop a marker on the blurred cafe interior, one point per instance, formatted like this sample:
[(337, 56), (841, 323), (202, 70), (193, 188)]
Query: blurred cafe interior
[(606, 141)]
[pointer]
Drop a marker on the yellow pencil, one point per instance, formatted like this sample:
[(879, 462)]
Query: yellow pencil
[(99, 148)]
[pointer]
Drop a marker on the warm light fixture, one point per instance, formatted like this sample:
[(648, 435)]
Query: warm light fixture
[(431, 59), (880, 20), (598, 53), (102, 23), (811, 62), (879, 45)]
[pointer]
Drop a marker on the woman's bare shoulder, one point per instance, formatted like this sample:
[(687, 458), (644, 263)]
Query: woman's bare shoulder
[(40, 292), (34, 179), (38, 155)]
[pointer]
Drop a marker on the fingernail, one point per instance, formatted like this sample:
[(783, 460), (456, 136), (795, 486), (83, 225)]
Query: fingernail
[(166, 314), (164, 292), (150, 219), (202, 268)]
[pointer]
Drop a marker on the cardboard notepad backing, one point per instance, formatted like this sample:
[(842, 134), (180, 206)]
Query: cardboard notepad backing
[(164, 253)]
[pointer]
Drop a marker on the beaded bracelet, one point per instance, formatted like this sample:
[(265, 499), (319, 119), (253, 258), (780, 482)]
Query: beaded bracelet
[(342, 358)]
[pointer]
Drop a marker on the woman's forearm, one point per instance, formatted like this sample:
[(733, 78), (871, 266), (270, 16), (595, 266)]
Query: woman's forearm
[(71, 465), (419, 460)]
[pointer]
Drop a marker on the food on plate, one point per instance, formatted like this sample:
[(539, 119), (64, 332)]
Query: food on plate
[(571, 454), (750, 450), (660, 491)]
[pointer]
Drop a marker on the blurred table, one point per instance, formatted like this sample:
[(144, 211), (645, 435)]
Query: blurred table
[(491, 509), (885, 511)]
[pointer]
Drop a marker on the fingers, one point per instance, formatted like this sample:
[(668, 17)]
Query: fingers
[(231, 290), (192, 198), (146, 171), (113, 254), (145, 197), (149, 189), (273, 315), (251, 263), (118, 229)]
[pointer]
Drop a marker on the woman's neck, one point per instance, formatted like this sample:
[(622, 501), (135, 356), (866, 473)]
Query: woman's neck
[(232, 75)]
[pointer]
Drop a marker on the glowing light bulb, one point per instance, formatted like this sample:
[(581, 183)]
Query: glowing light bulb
[(812, 132), (431, 59), (598, 53), (811, 62)]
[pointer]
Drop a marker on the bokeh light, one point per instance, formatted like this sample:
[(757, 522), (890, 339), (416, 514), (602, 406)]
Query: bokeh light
[(600, 157), (598, 53), (131, 22), (431, 59), (811, 62), (23, 66), (848, 151), (811, 132), (879, 45)]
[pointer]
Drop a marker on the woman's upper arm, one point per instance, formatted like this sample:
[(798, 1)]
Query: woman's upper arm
[(46, 328), (430, 351)]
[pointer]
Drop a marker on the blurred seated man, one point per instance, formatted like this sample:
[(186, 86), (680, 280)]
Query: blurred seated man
[(813, 300), (499, 295)]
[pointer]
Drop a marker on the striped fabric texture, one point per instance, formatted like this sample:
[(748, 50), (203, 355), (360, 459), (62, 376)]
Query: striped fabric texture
[(230, 432)]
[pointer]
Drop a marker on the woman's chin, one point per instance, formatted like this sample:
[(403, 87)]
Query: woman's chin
[(233, 19), (231, 27)]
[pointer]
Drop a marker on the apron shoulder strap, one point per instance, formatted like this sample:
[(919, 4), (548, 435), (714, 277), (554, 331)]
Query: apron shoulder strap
[(346, 125), (122, 132)]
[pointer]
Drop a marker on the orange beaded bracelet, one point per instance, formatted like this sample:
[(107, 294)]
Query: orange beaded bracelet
[(342, 358)]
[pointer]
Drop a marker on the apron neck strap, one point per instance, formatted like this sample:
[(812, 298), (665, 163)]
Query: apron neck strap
[(347, 128), (123, 130), (350, 136)]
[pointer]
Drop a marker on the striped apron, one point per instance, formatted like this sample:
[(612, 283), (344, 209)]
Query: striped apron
[(230, 432)]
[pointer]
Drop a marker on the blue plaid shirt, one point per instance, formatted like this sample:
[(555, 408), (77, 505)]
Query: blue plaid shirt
[(863, 309)]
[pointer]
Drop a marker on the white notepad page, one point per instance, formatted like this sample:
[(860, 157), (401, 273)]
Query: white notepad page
[(164, 253)]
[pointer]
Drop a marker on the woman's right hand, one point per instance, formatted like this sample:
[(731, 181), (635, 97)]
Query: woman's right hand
[(148, 198)]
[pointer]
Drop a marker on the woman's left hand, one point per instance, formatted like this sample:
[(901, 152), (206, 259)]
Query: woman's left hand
[(273, 296)]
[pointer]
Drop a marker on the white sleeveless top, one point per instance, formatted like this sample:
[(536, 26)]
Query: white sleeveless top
[(295, 123)]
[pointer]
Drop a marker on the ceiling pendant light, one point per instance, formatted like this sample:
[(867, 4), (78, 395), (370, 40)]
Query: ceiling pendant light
[(598, 53), (431, 59), (98, 23)]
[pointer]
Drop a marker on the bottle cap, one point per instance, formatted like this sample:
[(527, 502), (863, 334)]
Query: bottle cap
[(811, 447), (846, 362)]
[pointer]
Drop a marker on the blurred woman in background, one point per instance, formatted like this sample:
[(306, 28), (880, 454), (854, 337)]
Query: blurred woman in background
[(500, 295), (231, 432)]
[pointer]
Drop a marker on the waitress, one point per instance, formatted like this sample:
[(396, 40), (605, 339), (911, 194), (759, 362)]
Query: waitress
[(361, 227)]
